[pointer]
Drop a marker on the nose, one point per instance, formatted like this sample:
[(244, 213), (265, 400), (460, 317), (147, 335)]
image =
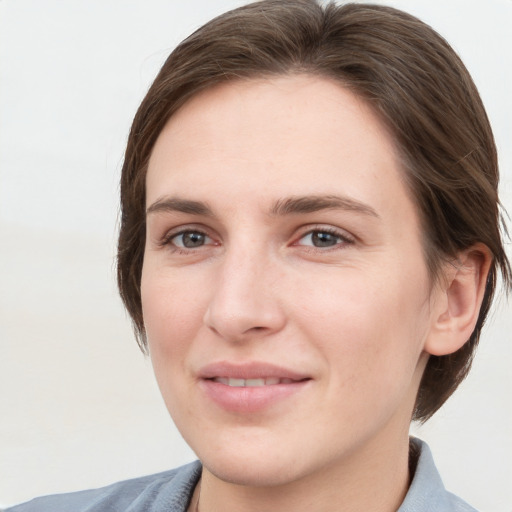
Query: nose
[(244, 303)]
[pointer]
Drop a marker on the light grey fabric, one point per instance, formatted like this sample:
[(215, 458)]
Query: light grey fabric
[(171, 492), (427, 492), (164, 492)]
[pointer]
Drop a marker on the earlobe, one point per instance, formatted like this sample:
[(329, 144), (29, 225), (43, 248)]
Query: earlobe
[(458, 301)]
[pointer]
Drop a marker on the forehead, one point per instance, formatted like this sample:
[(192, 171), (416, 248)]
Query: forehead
[(279, 136)]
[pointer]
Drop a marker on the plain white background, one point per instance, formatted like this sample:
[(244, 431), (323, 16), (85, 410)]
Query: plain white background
[(78, 404)]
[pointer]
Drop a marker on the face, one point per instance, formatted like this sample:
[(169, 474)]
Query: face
[(284, 289)]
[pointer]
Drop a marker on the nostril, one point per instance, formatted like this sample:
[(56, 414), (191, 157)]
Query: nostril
[(255, 329)]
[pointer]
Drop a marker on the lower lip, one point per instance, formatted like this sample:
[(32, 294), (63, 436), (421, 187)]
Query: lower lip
[(249, 399)]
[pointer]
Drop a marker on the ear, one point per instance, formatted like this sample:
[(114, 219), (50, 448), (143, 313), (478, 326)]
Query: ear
[(457, 301)]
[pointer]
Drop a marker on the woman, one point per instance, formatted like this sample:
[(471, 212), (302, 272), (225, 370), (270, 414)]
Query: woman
[(309, 247)]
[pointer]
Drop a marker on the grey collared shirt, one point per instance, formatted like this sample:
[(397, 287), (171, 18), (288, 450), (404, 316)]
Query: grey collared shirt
[(171, 492), (427, 492)]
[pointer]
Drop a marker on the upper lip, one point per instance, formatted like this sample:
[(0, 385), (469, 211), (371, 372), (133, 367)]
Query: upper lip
[(249, 370)]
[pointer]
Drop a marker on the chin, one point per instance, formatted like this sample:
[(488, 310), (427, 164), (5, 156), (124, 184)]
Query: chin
[(260, 459), (248, 456), (250, 472)]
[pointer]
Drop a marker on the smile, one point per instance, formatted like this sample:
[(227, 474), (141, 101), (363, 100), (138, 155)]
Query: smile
[(250, 387)]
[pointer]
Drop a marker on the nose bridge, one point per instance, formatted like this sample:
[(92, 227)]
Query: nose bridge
[(243, 301)]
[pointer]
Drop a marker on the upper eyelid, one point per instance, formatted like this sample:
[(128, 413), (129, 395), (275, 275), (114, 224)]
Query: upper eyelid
[(342, 233), (183, 228)]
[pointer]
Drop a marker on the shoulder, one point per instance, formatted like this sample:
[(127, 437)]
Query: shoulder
[(427, 492), (169, 491)]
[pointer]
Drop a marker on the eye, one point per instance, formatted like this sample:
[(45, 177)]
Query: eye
[(189, 239), (324, 238)]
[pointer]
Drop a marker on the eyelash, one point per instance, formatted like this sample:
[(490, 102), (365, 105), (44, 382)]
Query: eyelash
[(167, 241), (343, 239)]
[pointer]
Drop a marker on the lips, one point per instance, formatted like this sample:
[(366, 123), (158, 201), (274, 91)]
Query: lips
[(249, 387), (249, 370)]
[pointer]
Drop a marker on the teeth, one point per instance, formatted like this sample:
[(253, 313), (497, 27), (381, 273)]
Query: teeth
[(236, 383), (250, 383), (254, 382)]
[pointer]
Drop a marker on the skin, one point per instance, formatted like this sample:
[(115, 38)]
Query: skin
[(339, 294)]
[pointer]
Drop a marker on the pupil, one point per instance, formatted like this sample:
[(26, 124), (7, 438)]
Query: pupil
[(193, 239), (322, 239)]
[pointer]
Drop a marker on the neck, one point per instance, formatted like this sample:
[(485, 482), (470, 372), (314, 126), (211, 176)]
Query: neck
[(375, 478)]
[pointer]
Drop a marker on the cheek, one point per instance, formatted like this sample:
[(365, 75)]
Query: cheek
[(370, 328), (172, 313), (172, 316)]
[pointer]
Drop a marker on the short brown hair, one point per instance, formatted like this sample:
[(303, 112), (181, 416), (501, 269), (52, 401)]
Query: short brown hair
[(413, 80)]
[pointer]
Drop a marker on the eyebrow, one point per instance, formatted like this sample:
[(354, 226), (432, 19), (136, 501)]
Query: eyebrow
[(282, 207), (176, 204), (309, 204)]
